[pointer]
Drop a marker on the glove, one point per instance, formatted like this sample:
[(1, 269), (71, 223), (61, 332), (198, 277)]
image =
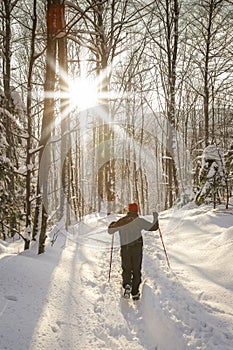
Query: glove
[(112, 224), (155, 215), (111, 229)]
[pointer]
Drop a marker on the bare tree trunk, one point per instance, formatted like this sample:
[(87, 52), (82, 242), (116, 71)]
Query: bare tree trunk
[(172, 20), (7, 55), (29, 120), (106, 174), (64, 109), (47, 127), (206, 75)]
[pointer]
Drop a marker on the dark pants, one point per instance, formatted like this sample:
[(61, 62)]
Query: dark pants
[(131, 263)]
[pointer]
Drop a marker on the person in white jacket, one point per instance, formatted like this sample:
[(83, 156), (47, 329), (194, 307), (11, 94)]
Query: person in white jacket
[(130, 228)]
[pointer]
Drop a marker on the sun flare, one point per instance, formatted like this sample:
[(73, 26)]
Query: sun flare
[(83, 94)]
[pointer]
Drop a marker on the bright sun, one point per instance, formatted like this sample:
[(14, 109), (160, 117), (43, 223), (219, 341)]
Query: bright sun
[(83, 94)]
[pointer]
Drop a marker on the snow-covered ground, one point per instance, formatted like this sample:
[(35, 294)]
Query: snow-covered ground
[(63, 300)]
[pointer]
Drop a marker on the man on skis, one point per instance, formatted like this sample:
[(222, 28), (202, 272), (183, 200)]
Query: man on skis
[(130, 228)]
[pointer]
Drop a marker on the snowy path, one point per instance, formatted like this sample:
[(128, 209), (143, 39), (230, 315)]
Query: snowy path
[(62, 299), (86, 311)]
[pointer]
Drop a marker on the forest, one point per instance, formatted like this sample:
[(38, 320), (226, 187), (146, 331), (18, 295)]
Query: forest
[(105, 102)]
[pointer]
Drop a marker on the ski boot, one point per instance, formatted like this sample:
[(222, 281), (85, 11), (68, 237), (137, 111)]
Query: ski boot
[(127, 291), (136, 296)]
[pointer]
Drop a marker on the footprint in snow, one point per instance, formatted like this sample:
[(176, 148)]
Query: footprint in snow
[(11, 297), (54, 329)]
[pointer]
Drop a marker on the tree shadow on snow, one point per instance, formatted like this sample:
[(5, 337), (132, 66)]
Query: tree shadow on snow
[(25, 281)]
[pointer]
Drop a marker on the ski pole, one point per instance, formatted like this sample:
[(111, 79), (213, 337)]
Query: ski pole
[(110, 264), (160, 233)]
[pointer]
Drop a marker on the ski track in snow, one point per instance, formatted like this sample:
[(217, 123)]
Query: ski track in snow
[(69, 304), (94, 316)]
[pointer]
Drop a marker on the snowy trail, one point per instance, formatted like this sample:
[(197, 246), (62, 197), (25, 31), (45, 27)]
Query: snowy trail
[(62, 299), (83, 308)]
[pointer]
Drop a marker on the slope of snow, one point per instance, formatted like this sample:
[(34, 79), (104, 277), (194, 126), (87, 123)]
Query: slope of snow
[(63, 300)]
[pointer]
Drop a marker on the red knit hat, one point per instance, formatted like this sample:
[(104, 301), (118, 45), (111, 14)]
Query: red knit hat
[(133, 207)]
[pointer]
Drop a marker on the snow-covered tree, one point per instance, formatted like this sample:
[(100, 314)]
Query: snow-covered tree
[(229, 171), (212, 176), (11, 181)]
